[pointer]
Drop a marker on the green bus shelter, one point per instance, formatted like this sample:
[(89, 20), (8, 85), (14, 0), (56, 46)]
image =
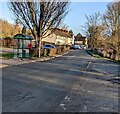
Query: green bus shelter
[(23, 46)]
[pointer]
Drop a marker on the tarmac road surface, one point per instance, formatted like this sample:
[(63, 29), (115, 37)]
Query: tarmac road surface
[(75, 82)]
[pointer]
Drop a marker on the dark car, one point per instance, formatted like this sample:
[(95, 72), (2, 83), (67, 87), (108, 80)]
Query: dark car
[(75, 47)]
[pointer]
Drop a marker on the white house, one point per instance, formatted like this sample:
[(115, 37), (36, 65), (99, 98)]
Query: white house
[(58, 37)]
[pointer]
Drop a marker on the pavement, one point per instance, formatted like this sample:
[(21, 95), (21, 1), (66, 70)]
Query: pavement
[(18, 61), (75, 82), (5, 50)]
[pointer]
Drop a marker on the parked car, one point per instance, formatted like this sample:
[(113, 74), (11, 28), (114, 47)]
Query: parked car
[(75, 47), (48, 46), (83, 46)]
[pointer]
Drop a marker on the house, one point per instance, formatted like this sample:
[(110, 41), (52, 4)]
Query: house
[(80, 40), (58, 37)]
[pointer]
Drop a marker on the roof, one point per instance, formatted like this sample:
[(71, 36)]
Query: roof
[(61, 32), (79, 37), (23, 36)]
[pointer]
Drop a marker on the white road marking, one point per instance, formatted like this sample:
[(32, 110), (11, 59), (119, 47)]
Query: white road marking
[(85, 108), (63, 106), (88, 65), (89, 91), (67, 98)]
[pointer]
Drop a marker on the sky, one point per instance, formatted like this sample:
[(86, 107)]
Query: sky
[(74, 19)]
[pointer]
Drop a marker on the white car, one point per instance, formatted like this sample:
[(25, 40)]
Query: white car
[(83, 46)]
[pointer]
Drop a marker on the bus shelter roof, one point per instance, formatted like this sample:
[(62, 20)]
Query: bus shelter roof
[(23, 36)]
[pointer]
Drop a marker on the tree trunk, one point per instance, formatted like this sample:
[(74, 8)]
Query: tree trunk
[(40, 48)]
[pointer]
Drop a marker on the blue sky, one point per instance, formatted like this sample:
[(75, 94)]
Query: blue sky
[(75, 18)]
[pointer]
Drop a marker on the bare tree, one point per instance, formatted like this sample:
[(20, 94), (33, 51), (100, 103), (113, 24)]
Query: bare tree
[(111, 24), (39, 17), (111, 19), (64, 26), (91, 28), (71, 33)]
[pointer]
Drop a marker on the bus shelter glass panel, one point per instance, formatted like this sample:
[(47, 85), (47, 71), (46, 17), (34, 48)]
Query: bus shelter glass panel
[(23, 46)]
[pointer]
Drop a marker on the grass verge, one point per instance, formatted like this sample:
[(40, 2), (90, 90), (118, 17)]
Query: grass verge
[(98, 56), (7, 56)]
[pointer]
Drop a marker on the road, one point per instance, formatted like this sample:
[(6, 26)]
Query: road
[(75, 82)]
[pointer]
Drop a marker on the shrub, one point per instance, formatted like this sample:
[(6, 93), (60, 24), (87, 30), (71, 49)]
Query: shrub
[(65, 49), (104, 53), (117, 57), (35, 52), (7, 42), (59, 50), (112, 56), (46, 52), (52, 52)]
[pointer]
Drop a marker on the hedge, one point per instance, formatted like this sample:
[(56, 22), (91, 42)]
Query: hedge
[(50, 52), (7, 42)]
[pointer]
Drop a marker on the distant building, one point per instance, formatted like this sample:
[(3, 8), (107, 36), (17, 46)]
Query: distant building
[(79, 39), (58, 37)]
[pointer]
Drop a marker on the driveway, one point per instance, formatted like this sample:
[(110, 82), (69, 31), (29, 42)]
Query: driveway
[(75, 82)]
